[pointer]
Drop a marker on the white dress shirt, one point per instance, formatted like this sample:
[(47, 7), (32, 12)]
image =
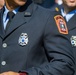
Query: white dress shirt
[(69, 15), (5, 18)]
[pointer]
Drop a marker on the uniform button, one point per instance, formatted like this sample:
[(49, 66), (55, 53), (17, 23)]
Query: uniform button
[(3, 63), (4, 45)]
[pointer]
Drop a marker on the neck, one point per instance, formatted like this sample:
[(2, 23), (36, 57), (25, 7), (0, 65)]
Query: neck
[(68, 9), (11, 6)]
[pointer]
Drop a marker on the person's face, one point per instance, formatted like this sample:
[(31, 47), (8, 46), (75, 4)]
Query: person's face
[(15, 2), (69, 3)]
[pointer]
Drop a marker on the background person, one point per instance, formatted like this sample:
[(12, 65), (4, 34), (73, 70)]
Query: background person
[(69, 13)]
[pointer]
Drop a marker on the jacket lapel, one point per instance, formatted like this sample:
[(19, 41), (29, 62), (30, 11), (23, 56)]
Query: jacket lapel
[(72, 23), (2, 32)]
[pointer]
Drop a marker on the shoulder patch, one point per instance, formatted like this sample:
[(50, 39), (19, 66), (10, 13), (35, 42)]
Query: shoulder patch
[(61, 24)]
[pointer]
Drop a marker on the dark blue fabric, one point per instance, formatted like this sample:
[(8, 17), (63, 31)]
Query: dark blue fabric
[(48, 3)]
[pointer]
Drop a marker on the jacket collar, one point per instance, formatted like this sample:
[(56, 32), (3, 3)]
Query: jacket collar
[(72, 23), (21, 18)]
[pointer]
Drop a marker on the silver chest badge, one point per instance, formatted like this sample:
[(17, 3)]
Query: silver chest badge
[(73, 40), (23, 39)]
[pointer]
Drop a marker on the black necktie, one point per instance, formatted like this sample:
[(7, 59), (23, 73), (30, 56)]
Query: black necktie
[(10, 15)]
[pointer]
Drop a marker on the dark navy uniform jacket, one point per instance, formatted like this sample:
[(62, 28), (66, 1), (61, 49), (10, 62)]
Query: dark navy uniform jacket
[(32, 43), (71, 24)]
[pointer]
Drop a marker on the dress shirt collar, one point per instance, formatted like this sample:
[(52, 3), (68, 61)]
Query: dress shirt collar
[(5, 17), (69, 15), (6, 11)]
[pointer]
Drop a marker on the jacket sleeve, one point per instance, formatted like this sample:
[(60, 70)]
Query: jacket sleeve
[(59, 52)]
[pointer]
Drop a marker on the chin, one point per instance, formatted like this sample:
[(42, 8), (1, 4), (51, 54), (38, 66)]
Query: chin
[(22, 3)]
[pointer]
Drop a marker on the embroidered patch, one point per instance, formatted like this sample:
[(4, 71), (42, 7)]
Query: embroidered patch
[(61, 24)]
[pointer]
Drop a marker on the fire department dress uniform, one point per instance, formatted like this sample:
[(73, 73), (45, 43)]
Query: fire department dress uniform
[(36, 42)]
